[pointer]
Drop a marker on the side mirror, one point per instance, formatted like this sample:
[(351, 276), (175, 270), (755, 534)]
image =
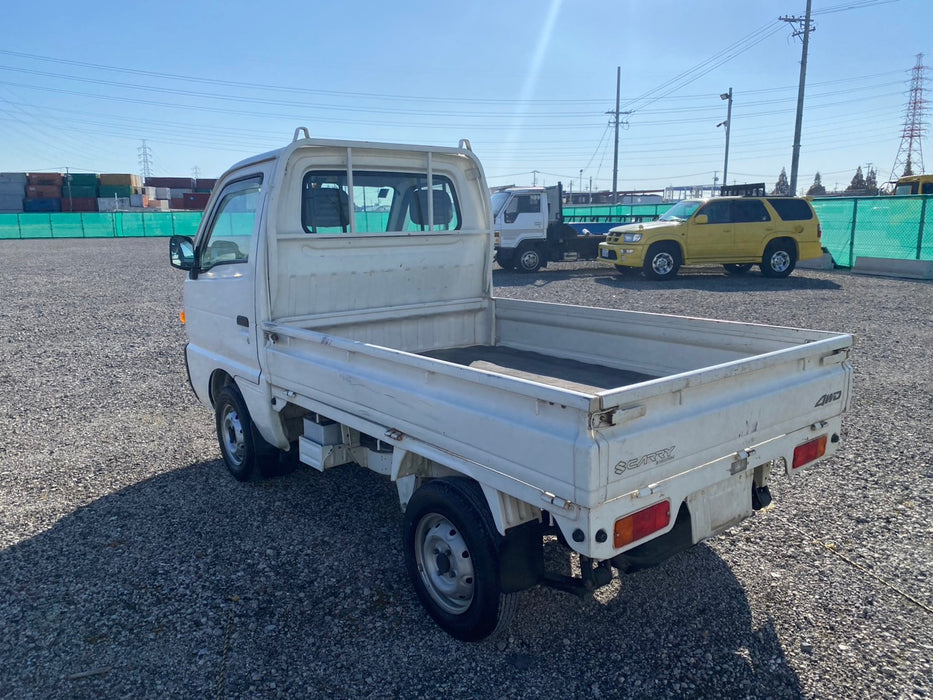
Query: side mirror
[(701, 219), (181, 252)]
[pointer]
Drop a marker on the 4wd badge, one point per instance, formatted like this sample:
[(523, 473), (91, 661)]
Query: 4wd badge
[(828, 398)]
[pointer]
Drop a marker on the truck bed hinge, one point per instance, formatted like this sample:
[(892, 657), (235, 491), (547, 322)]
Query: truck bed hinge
[(561, 503)]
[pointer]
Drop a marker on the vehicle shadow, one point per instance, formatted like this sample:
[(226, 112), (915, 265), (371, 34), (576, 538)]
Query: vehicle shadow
[(190, 584), (710, 279)]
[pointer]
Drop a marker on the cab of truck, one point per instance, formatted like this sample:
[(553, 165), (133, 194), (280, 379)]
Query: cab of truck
[(735, 232), (914, 184)]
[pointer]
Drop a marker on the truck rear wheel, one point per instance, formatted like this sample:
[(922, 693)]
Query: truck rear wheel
[(451, 553), (779, 260), (246, 453)]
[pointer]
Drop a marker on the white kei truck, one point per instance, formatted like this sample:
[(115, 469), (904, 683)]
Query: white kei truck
[(339, 309)]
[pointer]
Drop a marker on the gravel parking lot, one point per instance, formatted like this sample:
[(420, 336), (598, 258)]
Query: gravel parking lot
[(132, 565)]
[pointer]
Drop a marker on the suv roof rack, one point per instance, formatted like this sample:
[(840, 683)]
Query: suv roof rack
[(754, 189)]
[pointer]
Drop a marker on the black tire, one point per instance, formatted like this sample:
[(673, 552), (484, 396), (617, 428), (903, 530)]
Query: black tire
[(779, 260), (246, 453), (737, 269), (662, 261), (452, 557), (528, 258), (506, 260)]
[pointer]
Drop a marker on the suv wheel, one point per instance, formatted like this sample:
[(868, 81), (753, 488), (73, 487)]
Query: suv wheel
[(779, 259), (662, 261)]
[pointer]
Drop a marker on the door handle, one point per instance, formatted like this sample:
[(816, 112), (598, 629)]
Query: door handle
[(242, 321)]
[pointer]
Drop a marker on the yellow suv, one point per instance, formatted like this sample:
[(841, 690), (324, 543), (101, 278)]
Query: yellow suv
[(736, 232)]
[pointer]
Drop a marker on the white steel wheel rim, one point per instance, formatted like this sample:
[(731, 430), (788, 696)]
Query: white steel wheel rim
[(232, 435), (662, 263), (529, 259), (444, 563), (780, 261)]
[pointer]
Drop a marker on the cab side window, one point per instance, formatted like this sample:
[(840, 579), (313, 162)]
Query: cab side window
[(749, 210), (522, 204), (232, 225), (716, 212)]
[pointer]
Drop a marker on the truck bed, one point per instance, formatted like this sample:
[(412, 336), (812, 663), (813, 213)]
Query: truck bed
[(568, 374)]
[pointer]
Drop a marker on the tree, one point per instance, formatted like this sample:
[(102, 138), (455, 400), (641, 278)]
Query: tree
[(871, 182), (817, 187), (857, 186), (782, 186)]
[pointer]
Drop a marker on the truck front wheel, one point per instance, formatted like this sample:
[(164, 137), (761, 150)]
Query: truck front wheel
[(528, 259), (662, 261), (451, 553), (247, 455)]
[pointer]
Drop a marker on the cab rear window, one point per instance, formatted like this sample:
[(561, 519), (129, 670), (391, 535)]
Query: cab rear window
[(790, 209)]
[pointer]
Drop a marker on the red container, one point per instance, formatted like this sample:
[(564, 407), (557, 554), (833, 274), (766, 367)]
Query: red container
[(44, 179), (177, 203), (79, 204), (44, 191), (175, 183), (196, 201), (205, 183)]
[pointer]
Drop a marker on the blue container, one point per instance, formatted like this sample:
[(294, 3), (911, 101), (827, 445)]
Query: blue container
[(36, 206)]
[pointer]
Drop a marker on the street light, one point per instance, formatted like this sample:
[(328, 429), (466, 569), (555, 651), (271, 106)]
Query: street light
[(725, 165)]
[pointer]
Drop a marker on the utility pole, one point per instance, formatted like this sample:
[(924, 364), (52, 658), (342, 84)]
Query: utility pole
[(615, 155), (803, 29), (728, 125)]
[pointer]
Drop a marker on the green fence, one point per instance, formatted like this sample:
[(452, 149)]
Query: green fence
[(880, 227), (99, 225)]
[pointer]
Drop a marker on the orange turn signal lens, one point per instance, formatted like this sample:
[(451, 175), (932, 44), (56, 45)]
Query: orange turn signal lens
[(634, 527), (181, 317), (809, 451)]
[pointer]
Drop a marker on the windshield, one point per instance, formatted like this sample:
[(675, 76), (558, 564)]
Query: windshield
[(498, 201), (681, 211)]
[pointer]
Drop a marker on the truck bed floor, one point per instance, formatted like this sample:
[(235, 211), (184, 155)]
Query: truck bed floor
[(544, 369)]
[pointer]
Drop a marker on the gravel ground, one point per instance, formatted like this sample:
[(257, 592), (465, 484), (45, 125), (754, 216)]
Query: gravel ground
[(131, 565)]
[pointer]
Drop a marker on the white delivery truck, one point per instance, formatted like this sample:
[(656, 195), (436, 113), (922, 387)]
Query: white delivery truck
[(339, 309)]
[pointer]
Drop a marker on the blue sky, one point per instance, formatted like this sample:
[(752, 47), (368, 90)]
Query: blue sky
[(529, 83)]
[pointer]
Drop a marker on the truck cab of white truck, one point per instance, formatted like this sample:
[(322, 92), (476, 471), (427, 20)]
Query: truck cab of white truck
[(530, 230), (339, 309)]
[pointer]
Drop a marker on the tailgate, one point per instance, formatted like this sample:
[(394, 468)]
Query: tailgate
[(672, 425)]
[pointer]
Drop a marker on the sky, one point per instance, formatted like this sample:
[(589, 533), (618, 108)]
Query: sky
[(189, 88)]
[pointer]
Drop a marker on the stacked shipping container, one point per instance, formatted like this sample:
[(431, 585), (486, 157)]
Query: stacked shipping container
[(12, 192), (89, 192)]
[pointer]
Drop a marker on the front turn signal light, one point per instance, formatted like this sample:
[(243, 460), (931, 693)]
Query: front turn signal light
[(181, 317)]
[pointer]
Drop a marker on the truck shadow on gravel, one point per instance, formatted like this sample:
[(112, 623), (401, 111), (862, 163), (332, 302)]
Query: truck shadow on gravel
[(192, 584)]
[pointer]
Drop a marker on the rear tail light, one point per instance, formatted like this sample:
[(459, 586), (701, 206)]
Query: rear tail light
[(809, 451), (634, 527), (819, 230)]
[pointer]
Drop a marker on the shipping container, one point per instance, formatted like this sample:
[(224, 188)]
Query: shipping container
[(42, 205), (11, 203), (178, 183), (44, 179), (139, 200), (119, 180), (82, 179), (44, 191), (108, 191), (113, 203), (82, 204), (79, 191)]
